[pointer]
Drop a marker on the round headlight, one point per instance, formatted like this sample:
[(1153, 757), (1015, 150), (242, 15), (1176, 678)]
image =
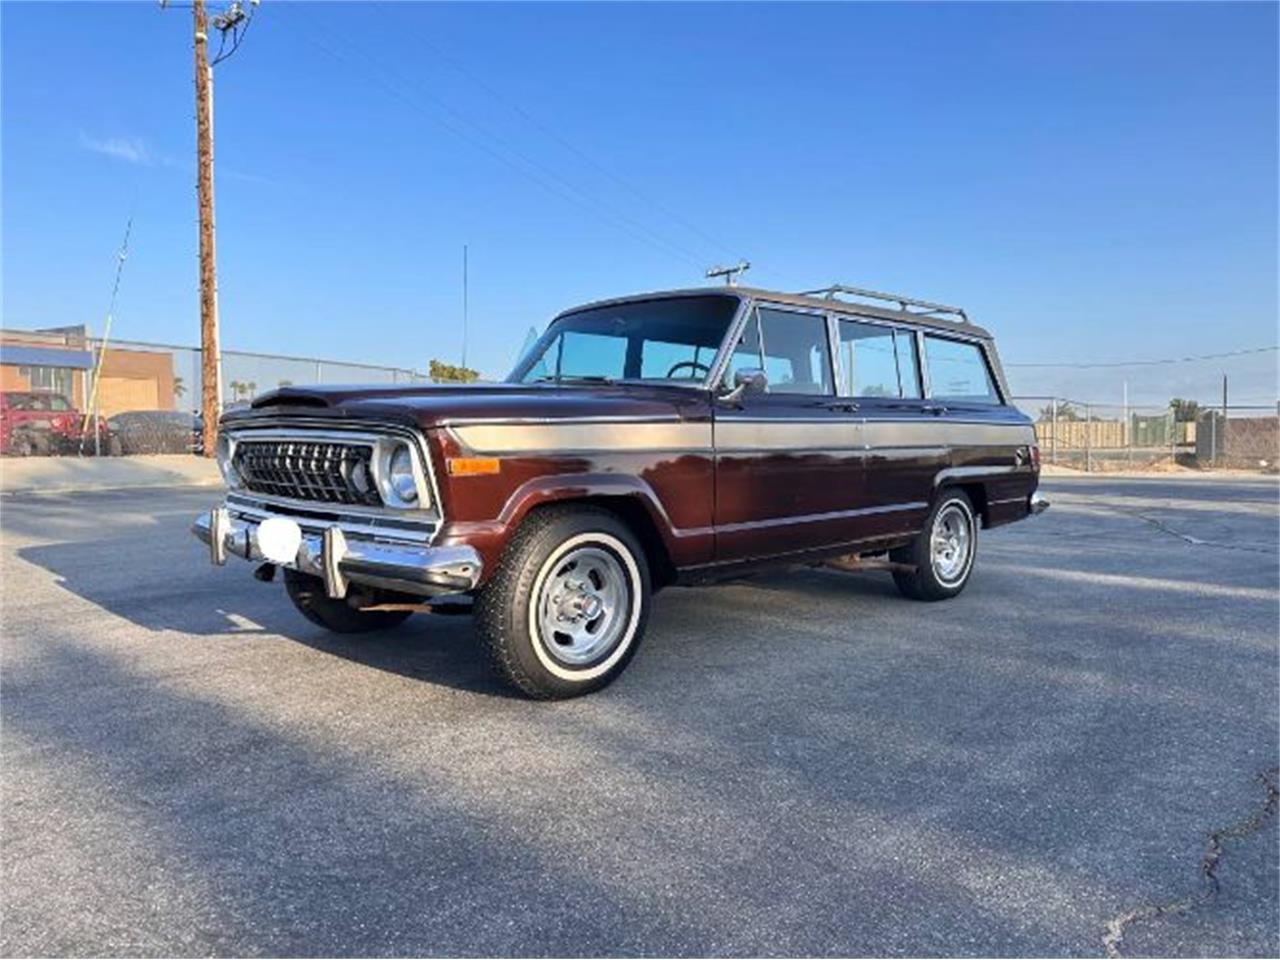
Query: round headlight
[(401, 476)]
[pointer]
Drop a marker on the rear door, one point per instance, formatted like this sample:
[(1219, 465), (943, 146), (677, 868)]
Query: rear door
[(788, 461), (905, 447)]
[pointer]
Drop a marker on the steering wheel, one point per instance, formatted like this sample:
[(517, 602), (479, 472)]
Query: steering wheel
[(693, 365)]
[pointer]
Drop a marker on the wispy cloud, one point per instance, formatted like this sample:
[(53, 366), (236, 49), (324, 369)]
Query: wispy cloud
[(137, 151), (129, 149)]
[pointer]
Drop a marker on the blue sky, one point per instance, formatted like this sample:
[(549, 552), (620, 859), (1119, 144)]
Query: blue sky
[(1094, 182)]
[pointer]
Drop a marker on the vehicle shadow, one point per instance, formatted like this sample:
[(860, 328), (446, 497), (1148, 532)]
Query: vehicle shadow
[(807, 746), (170, 590)]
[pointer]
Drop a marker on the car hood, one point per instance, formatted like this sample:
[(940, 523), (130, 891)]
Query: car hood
[(431, 405)]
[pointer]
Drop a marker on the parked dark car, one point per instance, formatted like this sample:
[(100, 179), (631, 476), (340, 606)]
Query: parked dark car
[(678, 437), (158, 431)]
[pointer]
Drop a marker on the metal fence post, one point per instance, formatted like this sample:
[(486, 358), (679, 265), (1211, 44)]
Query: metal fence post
[(1127, 434), (1053, 438), (1088, 444)]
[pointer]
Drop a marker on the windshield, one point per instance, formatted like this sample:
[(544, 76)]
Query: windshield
[(673, 340)]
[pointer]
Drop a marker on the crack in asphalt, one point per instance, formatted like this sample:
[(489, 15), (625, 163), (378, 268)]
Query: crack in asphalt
[(1195, 541), (1210, 886)]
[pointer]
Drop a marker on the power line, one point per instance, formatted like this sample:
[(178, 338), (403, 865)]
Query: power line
[(533, 170), (569, 146), (1149, 363), (237, 22)]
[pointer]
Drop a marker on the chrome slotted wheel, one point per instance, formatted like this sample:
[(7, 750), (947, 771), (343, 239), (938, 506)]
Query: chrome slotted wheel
[(951, 543), (584, 605)]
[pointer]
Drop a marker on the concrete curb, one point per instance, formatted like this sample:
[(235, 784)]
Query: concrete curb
[(88, 474), (1049, 472)]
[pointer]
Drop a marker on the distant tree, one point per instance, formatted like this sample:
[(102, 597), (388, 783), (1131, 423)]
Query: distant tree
[(179, 387), (250, 389), (236, 389), (1065, 412), (284, 383), (442, 372), (1184, 411)]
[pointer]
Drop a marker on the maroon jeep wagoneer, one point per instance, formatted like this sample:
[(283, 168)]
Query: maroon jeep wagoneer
[(676, 437)]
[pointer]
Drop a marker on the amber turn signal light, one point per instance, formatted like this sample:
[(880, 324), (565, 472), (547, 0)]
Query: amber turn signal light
[(472, 466)]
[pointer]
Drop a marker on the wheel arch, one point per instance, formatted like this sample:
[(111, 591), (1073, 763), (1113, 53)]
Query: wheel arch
[(974, 487), (627, 498)]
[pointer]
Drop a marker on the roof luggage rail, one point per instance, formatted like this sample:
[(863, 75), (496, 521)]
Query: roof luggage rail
[(923, 307)]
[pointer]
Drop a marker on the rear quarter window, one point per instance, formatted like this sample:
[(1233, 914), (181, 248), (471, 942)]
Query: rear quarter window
[(958, 371)]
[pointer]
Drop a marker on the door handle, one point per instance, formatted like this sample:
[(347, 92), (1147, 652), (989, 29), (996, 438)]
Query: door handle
[(936, 409)]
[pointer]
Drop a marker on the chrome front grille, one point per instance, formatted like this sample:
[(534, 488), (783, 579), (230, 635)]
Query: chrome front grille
[(323, 471)]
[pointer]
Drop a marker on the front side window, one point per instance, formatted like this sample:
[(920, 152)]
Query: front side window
[(791, 348), (877, 361), (672, 340), (958, 371)]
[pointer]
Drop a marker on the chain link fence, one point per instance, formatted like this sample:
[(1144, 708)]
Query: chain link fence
[(63, 393), (1098, 436)]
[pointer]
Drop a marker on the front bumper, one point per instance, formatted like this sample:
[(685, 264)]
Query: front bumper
[(339, 559)]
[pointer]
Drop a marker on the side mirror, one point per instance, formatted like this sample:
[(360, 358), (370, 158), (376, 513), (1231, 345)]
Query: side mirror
[(746, 380)]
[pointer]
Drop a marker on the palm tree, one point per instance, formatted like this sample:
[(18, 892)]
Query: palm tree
[(179, 387), (1065, 412)]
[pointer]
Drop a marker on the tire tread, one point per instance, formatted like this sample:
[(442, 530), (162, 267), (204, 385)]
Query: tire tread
[(497, 602)]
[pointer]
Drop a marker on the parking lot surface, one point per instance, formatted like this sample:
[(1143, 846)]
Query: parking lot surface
[(801, 763)]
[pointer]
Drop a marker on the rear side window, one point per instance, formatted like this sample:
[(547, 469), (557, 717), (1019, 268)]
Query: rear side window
[(877, 361), (958, 371)]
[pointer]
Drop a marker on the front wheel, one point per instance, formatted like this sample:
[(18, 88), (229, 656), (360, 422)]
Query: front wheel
[(942, 553), (565, 610)]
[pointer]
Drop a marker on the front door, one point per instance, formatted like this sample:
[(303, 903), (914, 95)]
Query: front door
[(789, 460)]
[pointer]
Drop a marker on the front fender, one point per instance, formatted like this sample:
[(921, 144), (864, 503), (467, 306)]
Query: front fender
[(489, 537)]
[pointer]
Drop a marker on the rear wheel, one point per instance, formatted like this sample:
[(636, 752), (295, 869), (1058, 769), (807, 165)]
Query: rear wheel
[(942, 553), (308, 595), (566, 608)]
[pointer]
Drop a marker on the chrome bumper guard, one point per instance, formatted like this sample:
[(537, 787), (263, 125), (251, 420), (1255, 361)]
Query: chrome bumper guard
[(339, 559), (1039, 503)]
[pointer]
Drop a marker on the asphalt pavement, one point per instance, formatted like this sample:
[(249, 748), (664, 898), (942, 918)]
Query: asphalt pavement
[(801, 763)]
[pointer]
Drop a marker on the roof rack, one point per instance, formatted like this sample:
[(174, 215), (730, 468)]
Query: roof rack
[(923, 307)]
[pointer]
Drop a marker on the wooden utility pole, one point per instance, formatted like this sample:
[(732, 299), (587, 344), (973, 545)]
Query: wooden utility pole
[(464, 306), (210, 352)]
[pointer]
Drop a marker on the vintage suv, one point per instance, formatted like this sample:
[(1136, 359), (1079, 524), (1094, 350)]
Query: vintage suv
[(676, 437)]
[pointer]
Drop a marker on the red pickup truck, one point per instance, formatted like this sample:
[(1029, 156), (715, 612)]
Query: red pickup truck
[(39, 423)]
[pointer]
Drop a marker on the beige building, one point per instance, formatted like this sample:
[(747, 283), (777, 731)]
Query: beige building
[(62, 361)]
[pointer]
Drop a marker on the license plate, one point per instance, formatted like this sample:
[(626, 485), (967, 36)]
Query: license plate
[(279, 539)]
